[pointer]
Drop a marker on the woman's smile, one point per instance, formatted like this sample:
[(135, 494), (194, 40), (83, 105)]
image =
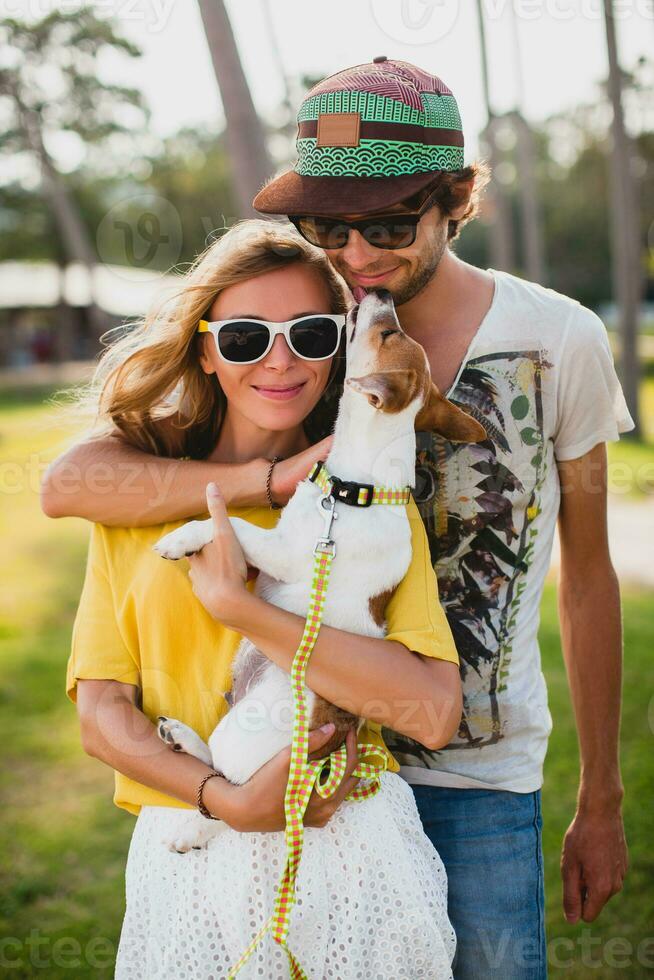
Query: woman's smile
[(279, 392)]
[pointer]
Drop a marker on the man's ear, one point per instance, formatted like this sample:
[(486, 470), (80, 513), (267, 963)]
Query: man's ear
[(389, 391), (440, 415)]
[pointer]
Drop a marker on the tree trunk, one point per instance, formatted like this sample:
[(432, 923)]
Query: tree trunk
[(527, 159), (250, 162), (529, 206), (75, 242), (501, 226), (627, 274)]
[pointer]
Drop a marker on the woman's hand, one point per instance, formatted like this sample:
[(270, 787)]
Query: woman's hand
[(219, 571), (287, 474), (258, 805)]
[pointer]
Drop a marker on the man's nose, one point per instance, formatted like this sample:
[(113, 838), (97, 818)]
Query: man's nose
[(358, 254), (280, 356)]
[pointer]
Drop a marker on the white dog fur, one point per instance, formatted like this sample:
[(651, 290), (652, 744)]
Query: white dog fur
[(387, 384)]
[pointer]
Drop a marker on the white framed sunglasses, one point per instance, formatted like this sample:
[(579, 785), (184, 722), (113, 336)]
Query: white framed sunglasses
[(246, 341)]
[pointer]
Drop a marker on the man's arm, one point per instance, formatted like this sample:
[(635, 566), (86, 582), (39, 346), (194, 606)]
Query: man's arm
[(594, 859), (109, 481)]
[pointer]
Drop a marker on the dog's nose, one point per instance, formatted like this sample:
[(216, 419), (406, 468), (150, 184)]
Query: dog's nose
[(384, 295)]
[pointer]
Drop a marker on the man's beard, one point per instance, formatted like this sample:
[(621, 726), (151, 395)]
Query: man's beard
[(420, 274)]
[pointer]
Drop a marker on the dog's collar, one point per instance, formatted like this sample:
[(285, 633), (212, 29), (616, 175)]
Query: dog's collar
[(356, 494)]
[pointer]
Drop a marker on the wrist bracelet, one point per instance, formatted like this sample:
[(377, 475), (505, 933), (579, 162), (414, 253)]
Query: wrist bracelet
[(201, 807), (271, 502)]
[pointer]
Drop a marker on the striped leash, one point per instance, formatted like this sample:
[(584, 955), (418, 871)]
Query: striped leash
[(326, 774)]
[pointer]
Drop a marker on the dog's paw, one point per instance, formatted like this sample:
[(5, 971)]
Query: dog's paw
[(192, 832), (185, 540), (182, 738)]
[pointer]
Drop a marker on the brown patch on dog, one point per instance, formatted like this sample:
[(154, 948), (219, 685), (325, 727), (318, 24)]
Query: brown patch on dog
[(377, 606), (438, 414), (402, 374), (401, 367), (324, 712), (389, 391)]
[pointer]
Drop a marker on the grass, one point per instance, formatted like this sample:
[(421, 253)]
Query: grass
[(64, 843), (631, 461)]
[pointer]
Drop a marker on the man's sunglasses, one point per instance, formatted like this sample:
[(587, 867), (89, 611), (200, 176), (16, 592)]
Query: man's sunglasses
[(244, 341), (381, 231)]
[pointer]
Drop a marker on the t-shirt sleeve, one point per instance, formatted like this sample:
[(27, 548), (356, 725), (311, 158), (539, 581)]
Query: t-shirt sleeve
[(98, 648), (414, 615), (590, 404)]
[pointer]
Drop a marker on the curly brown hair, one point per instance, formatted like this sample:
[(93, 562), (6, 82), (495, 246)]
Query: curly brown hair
[(449, 185)]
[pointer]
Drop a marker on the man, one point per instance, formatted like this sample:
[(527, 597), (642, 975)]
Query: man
[(380, 184), (535, 368)]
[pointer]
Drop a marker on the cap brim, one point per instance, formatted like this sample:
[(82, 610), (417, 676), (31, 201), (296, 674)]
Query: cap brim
[(293, 193)]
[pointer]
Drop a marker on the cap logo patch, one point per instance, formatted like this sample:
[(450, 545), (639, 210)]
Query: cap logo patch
[(338, 129)]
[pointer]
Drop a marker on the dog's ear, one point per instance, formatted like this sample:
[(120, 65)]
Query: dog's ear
[(389, 391), (440, 415)]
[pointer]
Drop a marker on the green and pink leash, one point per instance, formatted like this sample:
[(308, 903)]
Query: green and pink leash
[(326, 774)]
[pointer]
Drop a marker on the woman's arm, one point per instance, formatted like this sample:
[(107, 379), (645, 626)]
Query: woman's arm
[(377, 679), (373, 678), (116, 732), (110, 482)]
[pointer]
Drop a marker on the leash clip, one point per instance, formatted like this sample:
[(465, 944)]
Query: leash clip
[(325, 545)]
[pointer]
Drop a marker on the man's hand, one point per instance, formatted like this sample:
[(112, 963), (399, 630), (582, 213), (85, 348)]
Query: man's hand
[(288, 473), (594, 862)]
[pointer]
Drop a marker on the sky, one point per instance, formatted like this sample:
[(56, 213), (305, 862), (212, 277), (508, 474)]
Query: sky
[(562, 51), (562, 43)]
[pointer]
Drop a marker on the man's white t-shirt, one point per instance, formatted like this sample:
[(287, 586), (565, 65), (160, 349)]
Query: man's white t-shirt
[(539, 376)]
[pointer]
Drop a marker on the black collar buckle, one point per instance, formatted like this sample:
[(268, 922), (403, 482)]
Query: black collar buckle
[(348, 492)]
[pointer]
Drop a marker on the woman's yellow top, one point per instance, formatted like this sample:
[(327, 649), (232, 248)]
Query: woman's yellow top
[(139, 622)]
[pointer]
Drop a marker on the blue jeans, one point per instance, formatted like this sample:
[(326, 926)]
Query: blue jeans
[(490, 844)]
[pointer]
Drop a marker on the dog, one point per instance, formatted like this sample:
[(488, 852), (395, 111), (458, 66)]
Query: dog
[(388, 394)]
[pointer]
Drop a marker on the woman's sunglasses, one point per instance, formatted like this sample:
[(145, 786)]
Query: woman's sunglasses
[(381, 231), (244, 341)]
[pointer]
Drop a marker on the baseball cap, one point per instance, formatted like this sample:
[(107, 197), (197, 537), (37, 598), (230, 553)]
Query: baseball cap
[(368, 137)]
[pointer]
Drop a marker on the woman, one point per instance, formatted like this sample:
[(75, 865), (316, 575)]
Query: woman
[(143, 646)]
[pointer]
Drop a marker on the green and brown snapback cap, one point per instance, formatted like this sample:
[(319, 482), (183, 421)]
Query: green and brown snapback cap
[(368, 137)]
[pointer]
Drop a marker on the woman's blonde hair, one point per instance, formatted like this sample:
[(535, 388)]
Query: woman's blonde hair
[(149, 384)]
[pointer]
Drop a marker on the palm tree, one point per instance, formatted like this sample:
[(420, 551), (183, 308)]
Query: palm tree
[(532, 232), (627, 275), (50, 86), (501, 231), (246, 144)]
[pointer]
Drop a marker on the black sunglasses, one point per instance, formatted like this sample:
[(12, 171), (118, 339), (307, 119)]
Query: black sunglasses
[(381, 230)]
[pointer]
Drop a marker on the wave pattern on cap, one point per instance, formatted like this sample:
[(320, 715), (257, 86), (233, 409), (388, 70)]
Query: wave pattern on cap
[(374, 158)]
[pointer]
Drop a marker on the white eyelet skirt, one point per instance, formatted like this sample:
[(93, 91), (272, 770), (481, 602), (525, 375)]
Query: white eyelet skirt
[(371, 899)]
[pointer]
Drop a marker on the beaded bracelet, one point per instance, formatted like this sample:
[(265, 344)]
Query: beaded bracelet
[(201, 807), (271, 502)]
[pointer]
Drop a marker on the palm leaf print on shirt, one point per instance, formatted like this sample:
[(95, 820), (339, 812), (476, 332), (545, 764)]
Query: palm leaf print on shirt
[(479, 503)]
